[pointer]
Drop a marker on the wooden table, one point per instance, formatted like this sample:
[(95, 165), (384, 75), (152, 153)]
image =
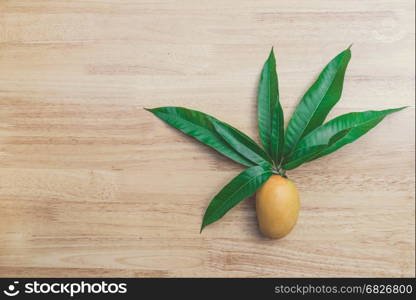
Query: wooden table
[(93, 185)]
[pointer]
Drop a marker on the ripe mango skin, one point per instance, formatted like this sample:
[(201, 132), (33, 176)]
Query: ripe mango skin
[(277, 206)]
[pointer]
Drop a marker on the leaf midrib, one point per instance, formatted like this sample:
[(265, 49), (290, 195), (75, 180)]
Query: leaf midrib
[(270, 120)]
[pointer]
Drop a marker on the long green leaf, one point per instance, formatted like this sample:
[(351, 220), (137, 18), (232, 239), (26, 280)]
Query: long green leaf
[(317, 101), (243, 144), (241, 187), (347, 128), (334, 134), (200, 126), (269, 112)]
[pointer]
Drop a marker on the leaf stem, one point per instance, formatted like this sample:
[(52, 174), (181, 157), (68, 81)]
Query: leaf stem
[(279, 171)]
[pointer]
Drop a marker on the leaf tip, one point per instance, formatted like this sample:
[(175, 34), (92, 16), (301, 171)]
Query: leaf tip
[(271, 55), (202, 227), (400, 108), (393, 110)]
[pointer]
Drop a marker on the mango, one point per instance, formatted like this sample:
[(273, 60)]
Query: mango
[(277, 206)]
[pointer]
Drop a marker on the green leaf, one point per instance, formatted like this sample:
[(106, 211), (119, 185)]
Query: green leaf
[(334, 134), (241, 187), (243, 144), (269, 112), (317, 101), (200, 126)]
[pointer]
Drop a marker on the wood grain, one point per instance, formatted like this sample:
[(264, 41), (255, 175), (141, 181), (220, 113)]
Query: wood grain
[(93, 185)]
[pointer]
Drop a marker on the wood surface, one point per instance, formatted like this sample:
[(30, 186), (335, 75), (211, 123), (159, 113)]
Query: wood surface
[(93, 185)]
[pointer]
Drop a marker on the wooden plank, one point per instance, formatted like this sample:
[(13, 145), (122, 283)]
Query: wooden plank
[(93, 185)]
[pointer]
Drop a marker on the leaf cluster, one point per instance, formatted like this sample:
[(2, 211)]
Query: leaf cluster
[(306, 137)]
